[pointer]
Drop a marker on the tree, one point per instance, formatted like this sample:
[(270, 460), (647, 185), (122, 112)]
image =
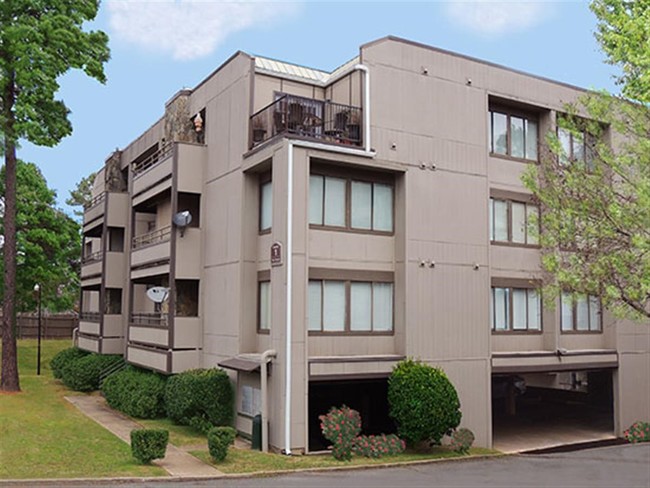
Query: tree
[(594, 183), (48, 244), (81, 196), (39, 42)]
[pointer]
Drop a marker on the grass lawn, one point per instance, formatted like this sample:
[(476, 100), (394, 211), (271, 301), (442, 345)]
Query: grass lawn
[(247, 461), (44, 436)]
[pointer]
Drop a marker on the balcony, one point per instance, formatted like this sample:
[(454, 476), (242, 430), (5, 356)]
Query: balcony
[(109, 206), (93, 268), (308, 118)]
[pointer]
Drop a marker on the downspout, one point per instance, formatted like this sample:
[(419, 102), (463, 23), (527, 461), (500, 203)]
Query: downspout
[(366, 104), (265, 359), (288, 333)]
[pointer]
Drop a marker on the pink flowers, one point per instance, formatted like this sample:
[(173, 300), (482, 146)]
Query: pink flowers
[(638, 432)]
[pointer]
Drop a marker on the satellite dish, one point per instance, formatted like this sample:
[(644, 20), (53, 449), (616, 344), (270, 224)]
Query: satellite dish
[(182, 220), (158, 294)]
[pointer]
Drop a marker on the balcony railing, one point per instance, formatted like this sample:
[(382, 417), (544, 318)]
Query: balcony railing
[(93, 257), (95, 201), (306, 117), (90, 316), (151, 319), (155, 237), (160, 155)]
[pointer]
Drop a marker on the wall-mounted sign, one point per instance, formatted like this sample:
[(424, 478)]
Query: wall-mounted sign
[(276, 254)]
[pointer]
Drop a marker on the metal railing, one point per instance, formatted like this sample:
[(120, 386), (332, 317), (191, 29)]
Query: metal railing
[(317, 119), (95, 201), (90, 316), (155, 237), (93, 257), (157, 319), (157, 157)]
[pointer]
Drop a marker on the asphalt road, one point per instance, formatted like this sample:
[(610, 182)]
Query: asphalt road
[(626, 466)]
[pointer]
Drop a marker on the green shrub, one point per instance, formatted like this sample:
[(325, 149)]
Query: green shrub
[(219, 438), (201, 425), (149, 444), (205, 395), (341, 426), (83, 373), (638, 432), (63, 358), (136, 392), (461, 440), (376, 446), (422, 401)]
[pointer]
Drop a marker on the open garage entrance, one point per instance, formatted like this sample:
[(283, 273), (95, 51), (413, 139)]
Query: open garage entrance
[(541, 410), (369, 397)]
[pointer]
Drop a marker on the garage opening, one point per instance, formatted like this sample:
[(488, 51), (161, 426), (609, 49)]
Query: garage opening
[(540, 410), (368, 397)]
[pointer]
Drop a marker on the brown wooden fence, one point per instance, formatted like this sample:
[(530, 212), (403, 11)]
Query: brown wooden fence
[(52, 326)]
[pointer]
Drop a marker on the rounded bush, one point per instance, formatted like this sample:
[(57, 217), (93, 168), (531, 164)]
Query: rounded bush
[(341, 426), (205, 395), (219, 439), (83, 374), (461, 440), (638, 432), (149, 444), (63, 358), (422, 401), (136, 392)]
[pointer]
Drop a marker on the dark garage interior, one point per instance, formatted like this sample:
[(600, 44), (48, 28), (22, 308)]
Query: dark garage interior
[(368, 397)]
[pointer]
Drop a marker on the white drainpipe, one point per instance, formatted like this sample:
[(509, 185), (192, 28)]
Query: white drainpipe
[(287, 393), (264, 361), (366, 105)]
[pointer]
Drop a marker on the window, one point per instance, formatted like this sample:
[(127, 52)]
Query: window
[(515, 222), (580, 313), (264, 306), (576, 147), (266, 206), (350, 204), (350, 306), (513, 135), (515, 309), (251, 400)]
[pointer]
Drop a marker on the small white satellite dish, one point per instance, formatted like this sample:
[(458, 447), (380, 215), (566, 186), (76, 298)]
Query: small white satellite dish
[(182, 220), (158, 294)]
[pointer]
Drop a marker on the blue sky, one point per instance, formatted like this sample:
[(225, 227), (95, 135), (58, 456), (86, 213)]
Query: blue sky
[(158, 47)]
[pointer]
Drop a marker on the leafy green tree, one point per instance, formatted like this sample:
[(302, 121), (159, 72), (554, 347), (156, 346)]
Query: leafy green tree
[(48, 243), (594, 183), (82, 194), (39, 41)]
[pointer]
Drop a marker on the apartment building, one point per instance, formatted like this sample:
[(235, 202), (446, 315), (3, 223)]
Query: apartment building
[(308, 230)]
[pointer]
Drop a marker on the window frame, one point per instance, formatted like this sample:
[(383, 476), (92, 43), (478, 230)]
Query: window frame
[(509, 113), (511, 285), (574, 314), (263, 277), (588, 141), (509, 198), (264, 179), (347, 278), (350, 177)]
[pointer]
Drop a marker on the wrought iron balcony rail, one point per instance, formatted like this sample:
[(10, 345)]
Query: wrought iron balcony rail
[(93, 257), (159, 156), (309, 118), (95, 201), (155, 237), (90, 316), (156, 319)]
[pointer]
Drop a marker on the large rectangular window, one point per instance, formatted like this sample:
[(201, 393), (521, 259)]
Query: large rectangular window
[(266, 206), (513, 134), (515, 309), (350, 306), (577, 146), (349, 203), (264, 306), (580, 313), (515, 222)]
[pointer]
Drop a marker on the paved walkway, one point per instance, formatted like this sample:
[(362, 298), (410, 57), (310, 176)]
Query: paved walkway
[(176, 462)]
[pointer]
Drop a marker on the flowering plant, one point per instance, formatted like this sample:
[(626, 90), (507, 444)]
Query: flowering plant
[(341, 426), (638, 432), (376, 446), (461, 440)]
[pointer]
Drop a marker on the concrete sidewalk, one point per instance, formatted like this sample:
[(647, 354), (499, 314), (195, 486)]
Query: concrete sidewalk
[(176, 462)]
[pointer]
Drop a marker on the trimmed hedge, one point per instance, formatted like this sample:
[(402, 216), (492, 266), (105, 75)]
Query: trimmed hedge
[(199, 397), (422, 401), (136, 392), (149, 444), (63, 358), (83, 373), (219, 438)]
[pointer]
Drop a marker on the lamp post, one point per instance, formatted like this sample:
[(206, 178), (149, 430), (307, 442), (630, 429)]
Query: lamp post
[(37, 289)]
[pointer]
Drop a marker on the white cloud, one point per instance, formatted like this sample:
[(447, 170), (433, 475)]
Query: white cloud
[(188, 29), (495, 18)]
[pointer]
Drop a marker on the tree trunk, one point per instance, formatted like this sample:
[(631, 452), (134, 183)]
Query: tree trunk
[(9, 379)]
